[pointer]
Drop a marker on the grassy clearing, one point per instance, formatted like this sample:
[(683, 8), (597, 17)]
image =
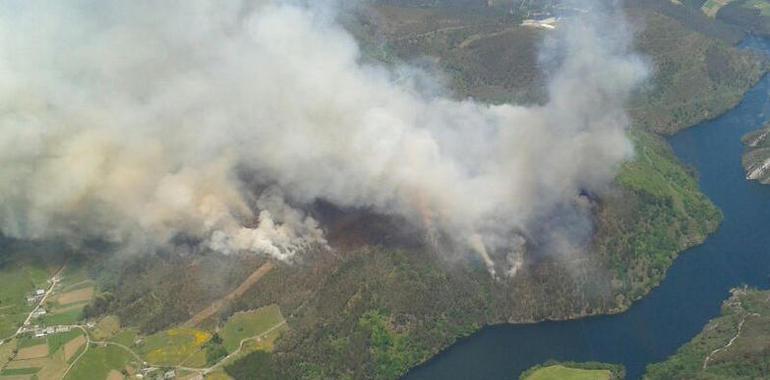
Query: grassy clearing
[(10, 321), (19, 371), (97, 363), (125, 337), (29, 341), (249, 324), (553, 370), (266, 342), (106, 328), (559, 372), (198, 359), (218, 375), (175, 347), (63, 318)]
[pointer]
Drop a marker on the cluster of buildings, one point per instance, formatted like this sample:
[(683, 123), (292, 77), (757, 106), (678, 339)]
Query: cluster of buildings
[(38, 313), (544, 22), (156, 374), (39, 331), (36, 296), (548, 14)]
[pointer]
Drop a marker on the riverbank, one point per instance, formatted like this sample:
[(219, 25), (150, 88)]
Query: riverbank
[(691, 293)]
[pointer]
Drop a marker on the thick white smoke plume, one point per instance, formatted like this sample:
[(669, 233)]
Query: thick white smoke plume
[(135, 121)]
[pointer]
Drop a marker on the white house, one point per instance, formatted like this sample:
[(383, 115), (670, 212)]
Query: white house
[(545, 23)]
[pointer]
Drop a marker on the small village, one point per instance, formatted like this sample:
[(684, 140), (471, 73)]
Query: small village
[(55, 339)]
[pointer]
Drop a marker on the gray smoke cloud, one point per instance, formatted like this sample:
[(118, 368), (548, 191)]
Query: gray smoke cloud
[(133, 121)]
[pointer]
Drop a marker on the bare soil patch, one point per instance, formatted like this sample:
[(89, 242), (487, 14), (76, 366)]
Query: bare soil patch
[(33, 352), (80, 295), (114, 375), (16, 377), (54, 369), (72, 347), (29, 363)]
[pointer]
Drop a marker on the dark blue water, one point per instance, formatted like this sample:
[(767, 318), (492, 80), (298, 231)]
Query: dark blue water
[(691, 294)]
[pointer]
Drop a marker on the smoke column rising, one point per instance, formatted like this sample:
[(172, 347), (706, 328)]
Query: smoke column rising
[(134, 122)]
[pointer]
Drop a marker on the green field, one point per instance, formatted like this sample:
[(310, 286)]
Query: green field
[(97, 362), (27, 341), (559, 372), (19, 371), (64, 318), (106, 328), (250, 324), (125, 337), (175, 347)]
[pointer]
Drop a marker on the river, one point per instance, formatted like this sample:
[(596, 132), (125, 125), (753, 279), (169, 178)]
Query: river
[(692, 292)]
